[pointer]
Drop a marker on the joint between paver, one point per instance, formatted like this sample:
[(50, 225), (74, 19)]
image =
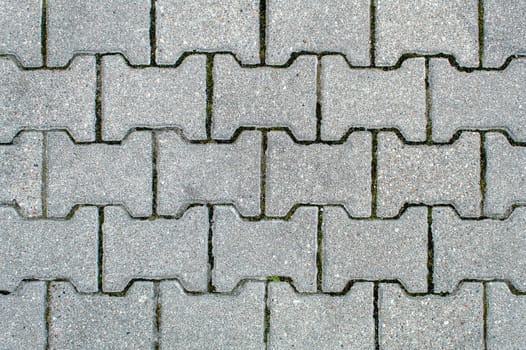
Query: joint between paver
[(372, 33), (430, 251), (480, 10), (211, 287), (262, 31), (153, 33)]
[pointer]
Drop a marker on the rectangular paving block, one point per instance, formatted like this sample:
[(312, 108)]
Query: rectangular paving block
[(504, 31), (427, 27), (478, 249), (155, 249), (372, 98), (207, 26), (374, 249), (209, 173), (212, 321), (318, 174), (153, 97), (318, 26), (264, 97), (21, 173), (22, 317), (318, 321), (258, 249), (506, 317), (477, 100), (430, 321), (98, 26), (20, 30), (49, 249), (505, 175), (48, 99), (429, 174), (99, 174), (98, 321)]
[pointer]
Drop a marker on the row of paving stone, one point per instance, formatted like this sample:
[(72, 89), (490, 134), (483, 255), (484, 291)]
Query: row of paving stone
[(262, 316), (165, 29), (234, 96)]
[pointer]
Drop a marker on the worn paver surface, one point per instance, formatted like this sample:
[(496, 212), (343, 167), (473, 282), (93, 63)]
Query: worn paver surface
[(262, 174)]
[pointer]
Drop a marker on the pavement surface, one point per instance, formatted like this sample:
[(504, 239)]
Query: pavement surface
[(262, 174)]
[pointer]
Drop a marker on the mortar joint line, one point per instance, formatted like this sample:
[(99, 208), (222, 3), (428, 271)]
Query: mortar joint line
[(262, 31), (372, 33)]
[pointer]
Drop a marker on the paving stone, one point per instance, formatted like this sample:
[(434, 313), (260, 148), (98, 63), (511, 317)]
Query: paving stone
[(318, 174), (99, 174), (209, 173), (21, 173), (49, 249), (264, 97), (98, 26), (504, 31), (351, 249), (22, 321), (20, 31), (438, 174), (155, 249), (212, 321), (478, 249), (95, 321), (48, 99), (430, 321), (371, 98), (153, 97), (321, 321), (427, 27), (318, 26), (207, 26), (506, 317), (477, 100), (505, 175), (257, 249)]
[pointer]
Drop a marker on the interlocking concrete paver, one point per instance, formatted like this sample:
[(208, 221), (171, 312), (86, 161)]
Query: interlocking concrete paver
[(319, 174), (264, 97), (318, 26), (352, 249), (48, 99), (212, 321), (207, 26), (321, 321), (257, 249), (353, 98), (155, 249)]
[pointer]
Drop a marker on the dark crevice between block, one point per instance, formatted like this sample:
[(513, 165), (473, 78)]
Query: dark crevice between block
[(43, 188), (319, 251), (47, 313), (318, 99), (266, 329), (429, 122), (430, 251), (262, 31), (153, 34), (483, 164), (211, 287), (43, 33), (209, 95), (98, 99), (376, 316), (372, 33), (485, 314), (157, 320), (481, 30), (100, 256), (374, 173), (263, 175), (155, 174)]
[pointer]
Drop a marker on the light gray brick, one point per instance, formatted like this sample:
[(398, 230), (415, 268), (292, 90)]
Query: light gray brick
[(212, 321), (373, 98), (427, 27), (21, 173), (318, 174), (321, 321), (48, 99), (96, 321), (99, 174), (49, 249), (478, 249), (318, 26), (20, 32), (477, 100), (505, 175), (22, 317), (257, 249), (207, 26), (98, 26), (504, 31), (264, 97), (429, 174), (506, 317), (209, 173), (153, 97), (352, 249), (431, 321), (155, 249)]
